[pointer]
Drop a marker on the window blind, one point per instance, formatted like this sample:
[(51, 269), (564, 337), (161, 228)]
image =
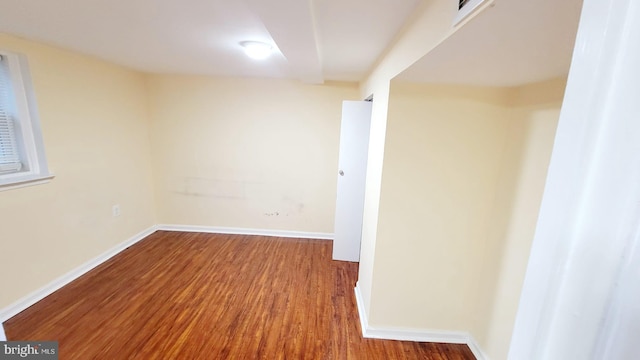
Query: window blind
[(9, 155)]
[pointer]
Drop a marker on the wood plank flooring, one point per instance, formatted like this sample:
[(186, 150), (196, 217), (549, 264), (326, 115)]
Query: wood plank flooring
[(206, 296)]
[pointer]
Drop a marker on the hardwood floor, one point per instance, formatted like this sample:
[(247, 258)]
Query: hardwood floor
[(205, 296)]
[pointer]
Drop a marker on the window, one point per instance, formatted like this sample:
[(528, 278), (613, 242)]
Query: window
[(22, 158)]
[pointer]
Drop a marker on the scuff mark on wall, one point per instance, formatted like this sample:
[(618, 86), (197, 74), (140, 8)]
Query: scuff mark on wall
[(208, 187), (270, 199)]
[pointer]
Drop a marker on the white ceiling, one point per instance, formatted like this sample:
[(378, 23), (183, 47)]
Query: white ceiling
[(512, 43), (317, 39)]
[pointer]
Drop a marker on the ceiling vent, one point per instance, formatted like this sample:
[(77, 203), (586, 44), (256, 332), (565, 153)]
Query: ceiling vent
[(465, 8)]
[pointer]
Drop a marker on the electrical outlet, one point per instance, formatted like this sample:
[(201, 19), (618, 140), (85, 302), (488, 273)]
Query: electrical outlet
[(115, 210)]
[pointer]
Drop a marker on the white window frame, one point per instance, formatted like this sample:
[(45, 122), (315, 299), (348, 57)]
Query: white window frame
[(23, 109)]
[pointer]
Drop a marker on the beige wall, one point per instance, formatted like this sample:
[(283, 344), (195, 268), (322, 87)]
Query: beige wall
[(464, 171), (394, 275), (443, 154), (430, 25), (246, 153), (535, 110), (95, 126), (227, 152)]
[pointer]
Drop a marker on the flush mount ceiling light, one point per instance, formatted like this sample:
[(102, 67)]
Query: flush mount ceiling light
[(257, 50)]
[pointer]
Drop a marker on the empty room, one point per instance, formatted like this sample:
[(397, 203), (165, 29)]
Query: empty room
[(319, 179)]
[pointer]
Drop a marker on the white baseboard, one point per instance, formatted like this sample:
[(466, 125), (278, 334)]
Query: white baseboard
[(419, 335), (20, 305), (367, 331), (241, 231), (362, 312), (475, 349)]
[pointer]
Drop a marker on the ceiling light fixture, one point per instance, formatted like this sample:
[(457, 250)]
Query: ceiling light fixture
[(257, 50)]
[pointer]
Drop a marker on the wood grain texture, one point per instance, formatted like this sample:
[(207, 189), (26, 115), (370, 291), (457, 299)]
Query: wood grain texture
[(208, 296)]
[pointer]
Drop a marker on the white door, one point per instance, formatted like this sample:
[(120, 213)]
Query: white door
[(352, 169)]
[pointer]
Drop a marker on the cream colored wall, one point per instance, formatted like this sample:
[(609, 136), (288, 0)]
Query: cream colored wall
[(431, 24), (228, 152), (389, 265), (246, 153), (377, 133), (94, 120), (535, 110), (464, 172), (443, 155)]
